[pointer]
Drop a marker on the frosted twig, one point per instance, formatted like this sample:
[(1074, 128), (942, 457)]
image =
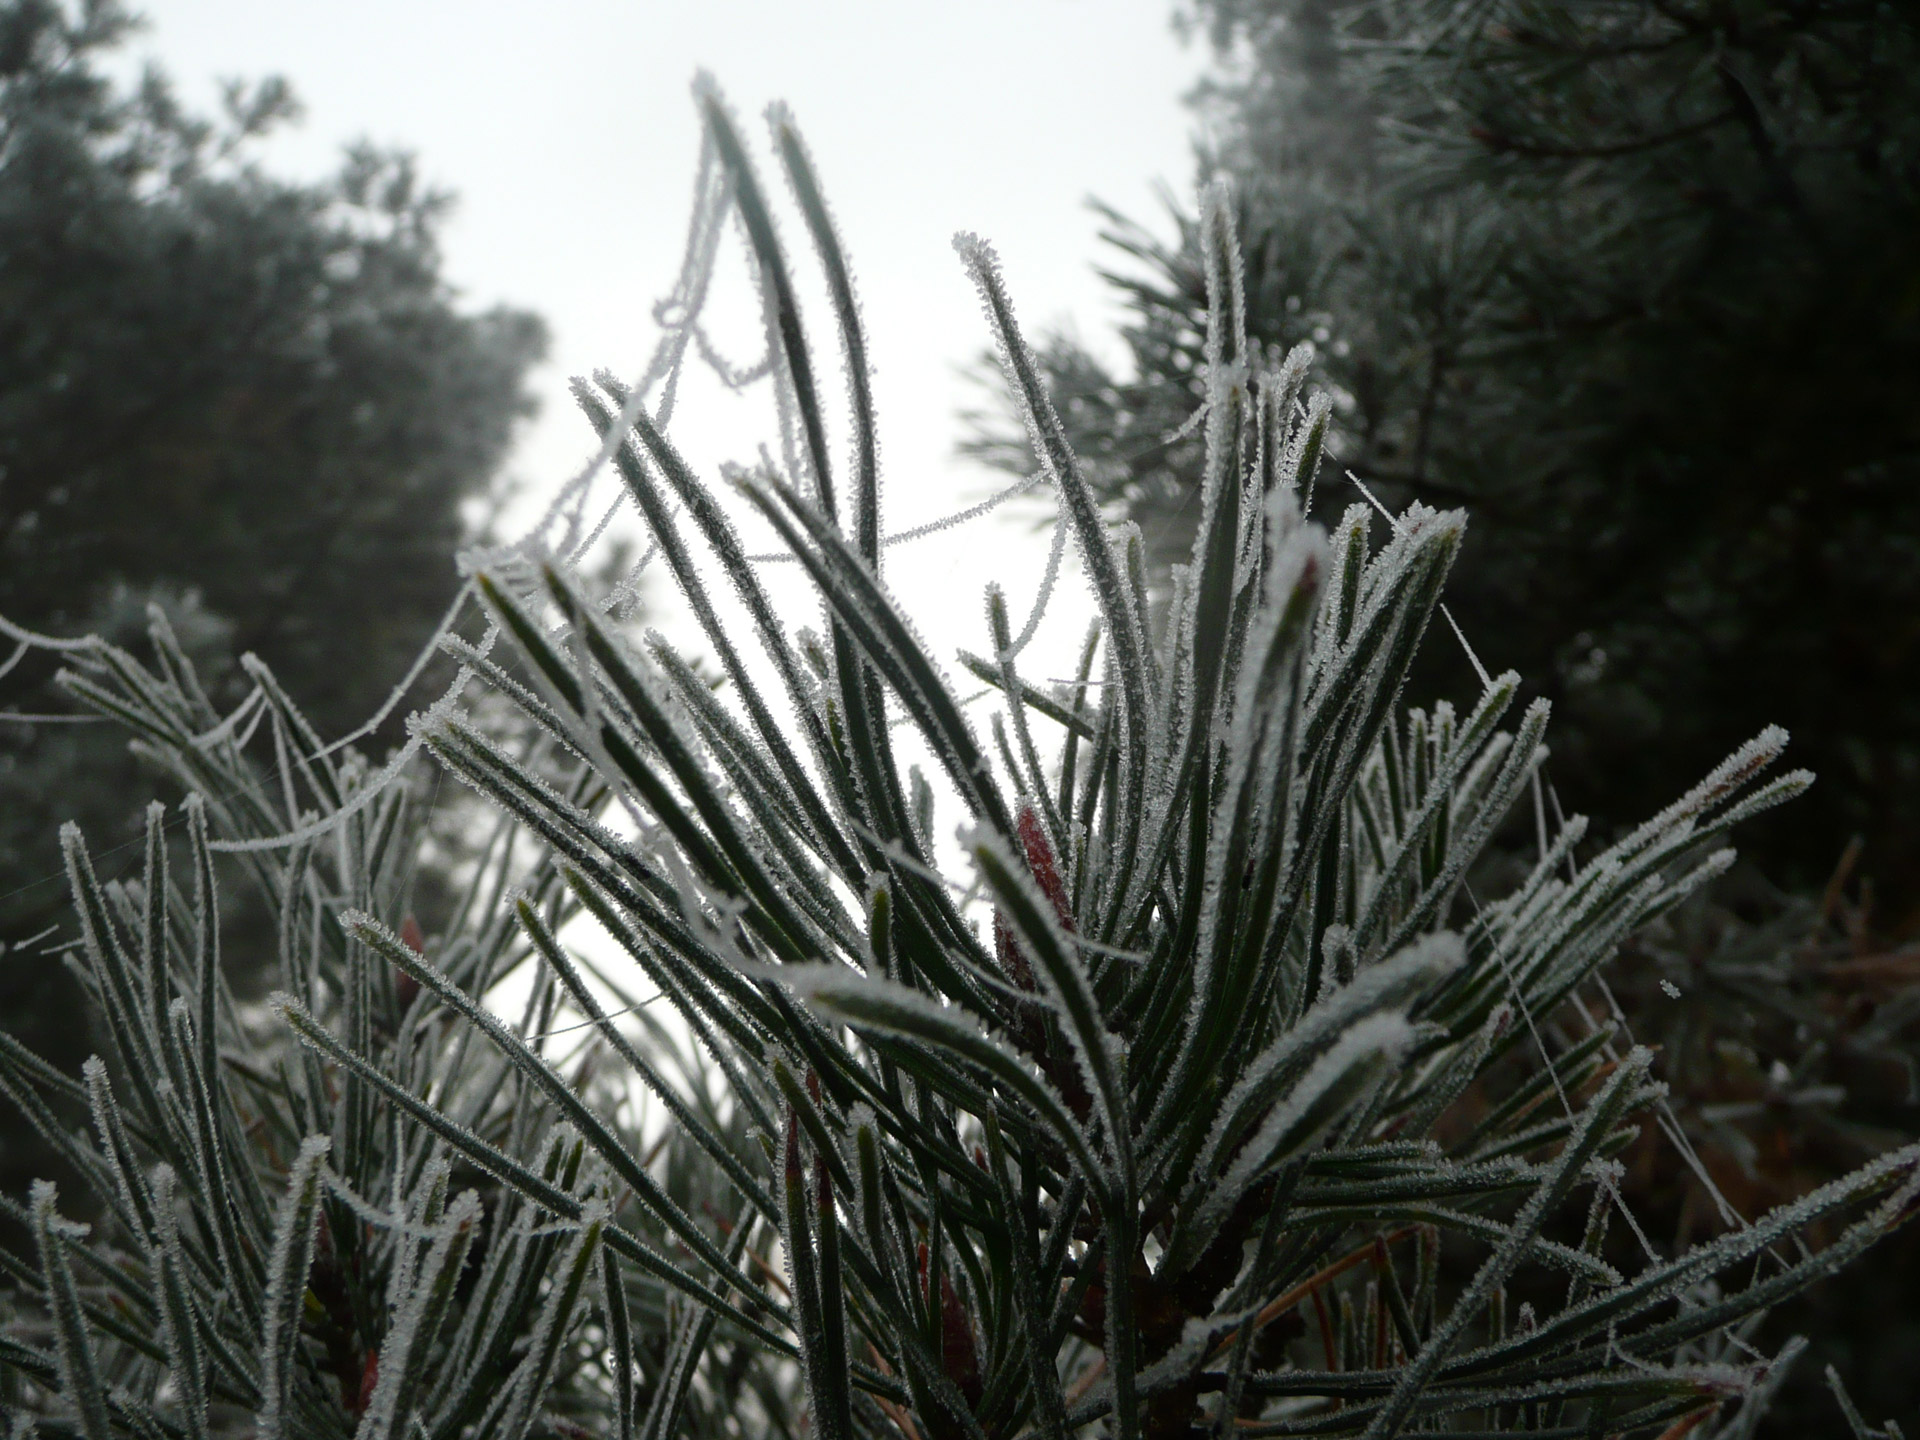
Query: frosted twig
[(574, 555), (1044, 594), (42, 642), (399, 691), (247, 707), (932, 527)]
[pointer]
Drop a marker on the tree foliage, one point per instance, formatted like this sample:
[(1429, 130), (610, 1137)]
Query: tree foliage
[(216, 382), (1633, 280), (275, 1250), (254, 401)]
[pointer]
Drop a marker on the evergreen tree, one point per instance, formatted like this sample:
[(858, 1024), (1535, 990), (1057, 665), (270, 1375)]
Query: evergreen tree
[(253, 401), (1636, 282)]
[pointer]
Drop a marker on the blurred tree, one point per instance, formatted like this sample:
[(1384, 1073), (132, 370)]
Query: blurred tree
[(1638, 281), (251, 401)]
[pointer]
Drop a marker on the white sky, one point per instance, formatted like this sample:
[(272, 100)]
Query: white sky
[(568, 132)]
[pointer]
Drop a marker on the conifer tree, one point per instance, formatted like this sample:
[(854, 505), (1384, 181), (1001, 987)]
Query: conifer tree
[(254, 401), (1634, 280)]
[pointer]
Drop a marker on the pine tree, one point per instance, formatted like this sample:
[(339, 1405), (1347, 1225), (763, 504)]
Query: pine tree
[(252, 401), (1635, 282)]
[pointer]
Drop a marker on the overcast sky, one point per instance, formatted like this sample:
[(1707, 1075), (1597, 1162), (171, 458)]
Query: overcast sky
[(568, 132)]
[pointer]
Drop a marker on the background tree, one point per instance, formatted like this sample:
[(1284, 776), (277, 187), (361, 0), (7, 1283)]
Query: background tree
[(1635, 281), (254, 402)]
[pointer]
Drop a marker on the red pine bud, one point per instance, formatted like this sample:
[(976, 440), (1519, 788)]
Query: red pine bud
[(369, 1378), (1043, 864), (1007, 950)]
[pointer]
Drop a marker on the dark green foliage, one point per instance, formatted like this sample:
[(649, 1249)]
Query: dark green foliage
[(1634, 280), (1791, 1036), (251, 400), (275, 1250)]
